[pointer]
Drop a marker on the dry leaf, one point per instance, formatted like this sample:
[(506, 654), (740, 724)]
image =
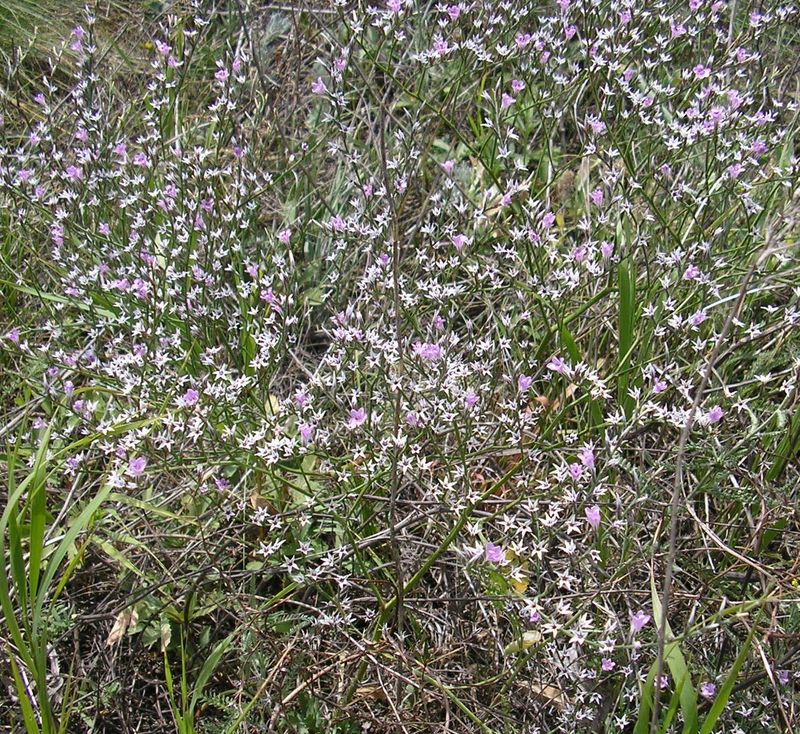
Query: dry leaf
[(125, 619), (551, 694), (375, 692), (166, 635), (520, 585)]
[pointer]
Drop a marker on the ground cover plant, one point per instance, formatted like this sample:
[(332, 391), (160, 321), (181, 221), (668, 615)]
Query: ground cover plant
[(407, 367)]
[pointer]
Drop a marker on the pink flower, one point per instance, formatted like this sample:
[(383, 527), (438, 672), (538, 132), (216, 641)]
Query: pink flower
[(607, 665), (447, 167), (394, 6), (548, 220), (190, 397), (523, 39), (735, 170), (593, 516), (659, 386), (428, 351), (506, 101), (318, 87), (586, 457), (494, 553), (221, 75), (697, 318), (715, 414), (13, 336), (470, 399), (702, 72), (74, 173), (597, 197), (453, 11), (440, 47), (597, 125), (460, 240), (306, 432), (575, 471), (358, 416), (136, 466), (579, 254), (517, 85), (639, 620), (734, 99), (284, 236), (557, 365), (707, 689), (524, 383), (570, 31), (691, 272)]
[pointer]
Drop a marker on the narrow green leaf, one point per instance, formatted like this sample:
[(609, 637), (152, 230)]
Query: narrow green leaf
[(676, 664), (721, 701), (66, 542), (28, 716), (209, 666), (38, 512), (646, 703)]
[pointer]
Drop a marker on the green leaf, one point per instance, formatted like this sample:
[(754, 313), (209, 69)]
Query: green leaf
[(676, 663), (528, 640), (209, 666), (38, 511), (721, 701), (646, 704), (31, 725)]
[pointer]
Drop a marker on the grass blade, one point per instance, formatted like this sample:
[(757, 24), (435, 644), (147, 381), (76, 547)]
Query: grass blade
[(721, 701)]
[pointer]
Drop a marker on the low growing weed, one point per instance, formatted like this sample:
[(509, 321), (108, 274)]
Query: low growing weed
[(409, 367)]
